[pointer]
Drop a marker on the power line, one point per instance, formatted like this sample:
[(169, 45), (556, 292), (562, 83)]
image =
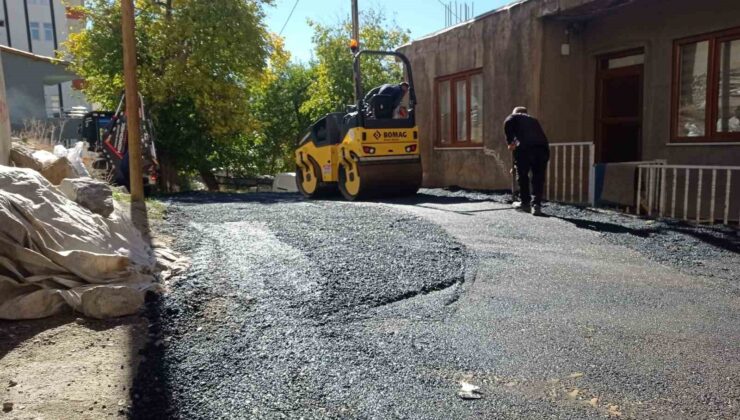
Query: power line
[(289, 16)]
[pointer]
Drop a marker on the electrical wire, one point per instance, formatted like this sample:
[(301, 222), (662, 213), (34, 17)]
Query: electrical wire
[(289, 16)]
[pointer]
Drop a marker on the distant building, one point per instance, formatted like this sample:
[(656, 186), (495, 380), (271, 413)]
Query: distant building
[(40, 27), (612, 81), (27, 78)]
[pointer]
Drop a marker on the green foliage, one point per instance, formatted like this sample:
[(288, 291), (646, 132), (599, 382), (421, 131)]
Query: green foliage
[(197, 65), (332, 88), (223, 92), (277, 120)]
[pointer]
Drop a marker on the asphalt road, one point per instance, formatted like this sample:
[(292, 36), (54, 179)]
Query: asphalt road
[(328, 309)]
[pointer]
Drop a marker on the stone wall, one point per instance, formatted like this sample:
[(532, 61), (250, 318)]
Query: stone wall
[(507, 46)]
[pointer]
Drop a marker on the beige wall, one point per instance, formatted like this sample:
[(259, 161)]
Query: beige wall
[(652, 25), (507, 46), (522, 65)]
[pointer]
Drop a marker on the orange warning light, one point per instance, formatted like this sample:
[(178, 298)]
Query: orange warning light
[(354, 45)]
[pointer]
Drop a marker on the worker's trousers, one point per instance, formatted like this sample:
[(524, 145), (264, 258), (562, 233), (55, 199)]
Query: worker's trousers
[(531, 159)]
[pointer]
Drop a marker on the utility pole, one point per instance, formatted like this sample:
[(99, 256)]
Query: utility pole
[(356, 39), (132, 100), (355, 22)]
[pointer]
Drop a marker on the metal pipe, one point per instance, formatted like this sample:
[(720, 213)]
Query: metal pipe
[(651, 179), (711, 204), (673, 194), (572, 171), (355, 23), (7, 22), (28, 26), (592, 174), (580, 177), (639, 190), (698, 196), (727, 198), (555, 172), (686, 195), (547, 181), (662, 192), (565, 174)]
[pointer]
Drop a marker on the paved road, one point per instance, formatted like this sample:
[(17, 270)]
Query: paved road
[(328, 309)]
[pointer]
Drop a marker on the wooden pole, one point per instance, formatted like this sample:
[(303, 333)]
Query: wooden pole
[(356, 37), (132, 100)]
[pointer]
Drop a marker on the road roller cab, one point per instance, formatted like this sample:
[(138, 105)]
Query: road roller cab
[(370, 151)]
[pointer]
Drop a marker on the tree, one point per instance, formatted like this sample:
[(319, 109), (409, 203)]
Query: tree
[(278, 119), (332, 86), (197, 66)]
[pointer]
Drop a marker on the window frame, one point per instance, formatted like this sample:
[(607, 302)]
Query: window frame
[(715, 39), (35, 29), (48, 30), (453, 79)]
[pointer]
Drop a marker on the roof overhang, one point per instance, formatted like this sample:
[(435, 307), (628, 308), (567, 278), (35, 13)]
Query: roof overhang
[(580, 10), (55, 70)]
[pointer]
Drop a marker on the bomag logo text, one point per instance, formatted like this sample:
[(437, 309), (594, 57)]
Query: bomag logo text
[(395, 134)]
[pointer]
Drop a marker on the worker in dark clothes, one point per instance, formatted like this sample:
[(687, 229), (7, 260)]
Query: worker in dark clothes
[(528, 143), (396, 92)]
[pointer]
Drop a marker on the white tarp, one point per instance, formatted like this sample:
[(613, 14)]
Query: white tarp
[(56, 254)]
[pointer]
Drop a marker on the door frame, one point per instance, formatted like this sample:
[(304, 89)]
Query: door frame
[(602, 74)]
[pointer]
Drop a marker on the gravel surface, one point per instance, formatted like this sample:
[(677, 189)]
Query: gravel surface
[(702, 250), (328, 309), (268, 322)]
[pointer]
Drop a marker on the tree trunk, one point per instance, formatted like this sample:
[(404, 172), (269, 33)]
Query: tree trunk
[(209, 179), (169, 180)]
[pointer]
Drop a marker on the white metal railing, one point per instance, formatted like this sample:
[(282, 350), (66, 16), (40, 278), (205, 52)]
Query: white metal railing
[(570, 173), (654, 192)]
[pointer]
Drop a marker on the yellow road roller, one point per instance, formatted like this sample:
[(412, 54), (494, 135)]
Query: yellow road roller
[(370, 151)]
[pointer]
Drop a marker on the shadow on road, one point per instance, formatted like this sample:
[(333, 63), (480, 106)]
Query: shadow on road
[(151, 391), (717, 236), (15, 333), (725, 238), (201, 197), (605, 227)]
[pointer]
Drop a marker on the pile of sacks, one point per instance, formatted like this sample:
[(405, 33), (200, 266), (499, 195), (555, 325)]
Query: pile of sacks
[(56, 254), (61, 164)]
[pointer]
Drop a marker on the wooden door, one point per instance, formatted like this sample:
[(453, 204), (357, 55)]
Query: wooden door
[(619, 83)]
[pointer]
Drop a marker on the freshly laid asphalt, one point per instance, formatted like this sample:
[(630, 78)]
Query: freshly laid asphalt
[(327, 309)]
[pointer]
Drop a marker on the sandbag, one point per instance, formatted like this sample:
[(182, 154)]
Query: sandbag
[(96, 196), (55, 254)]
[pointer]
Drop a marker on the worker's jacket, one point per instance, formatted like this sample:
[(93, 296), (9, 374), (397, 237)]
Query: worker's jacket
[(394, 91), (524, 131)]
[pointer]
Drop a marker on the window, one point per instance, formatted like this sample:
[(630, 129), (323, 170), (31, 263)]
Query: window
[(460, 109), (53, 106), (48, 32), (706, 88), (34, 27)]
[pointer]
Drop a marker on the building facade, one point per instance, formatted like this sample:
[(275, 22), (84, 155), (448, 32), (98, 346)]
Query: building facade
[(640, 80), (41, 27)]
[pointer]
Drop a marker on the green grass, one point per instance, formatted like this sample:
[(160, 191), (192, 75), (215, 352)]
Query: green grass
[(155, 209)]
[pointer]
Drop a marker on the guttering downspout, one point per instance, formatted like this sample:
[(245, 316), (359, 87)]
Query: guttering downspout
[(7, 22), (56, 47)]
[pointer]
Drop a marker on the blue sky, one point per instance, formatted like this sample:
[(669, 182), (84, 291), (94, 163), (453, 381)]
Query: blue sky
[(420, 16)]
